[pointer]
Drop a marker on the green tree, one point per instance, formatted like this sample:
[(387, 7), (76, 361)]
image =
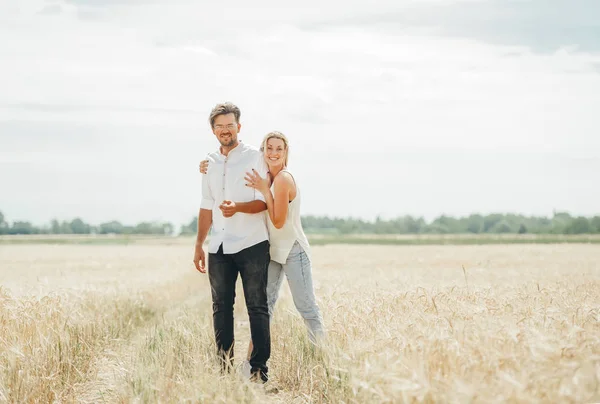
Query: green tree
[(190, 228), (490, 221), (560, 221), (55, 227), (541, 225), (113, 227), (78, 226), (445, 224), (501, 227), (595, 222), (65, 228), (579, 225), (3, 224), (475, 224), (22, 228), (437, 228)]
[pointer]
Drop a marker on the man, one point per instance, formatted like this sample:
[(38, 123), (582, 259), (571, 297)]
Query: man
[(239, 239)]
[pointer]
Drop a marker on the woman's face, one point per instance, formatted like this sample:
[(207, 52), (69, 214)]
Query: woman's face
[(275, 152)]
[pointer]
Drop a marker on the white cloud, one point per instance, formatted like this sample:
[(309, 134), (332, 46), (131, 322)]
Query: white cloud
[(442, 124)]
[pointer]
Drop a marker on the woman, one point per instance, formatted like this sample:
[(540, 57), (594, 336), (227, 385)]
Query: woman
[(289, 246)]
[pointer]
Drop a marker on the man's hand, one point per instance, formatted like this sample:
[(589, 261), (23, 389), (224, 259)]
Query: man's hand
[(228, 208), (203, 166), (200, 259)]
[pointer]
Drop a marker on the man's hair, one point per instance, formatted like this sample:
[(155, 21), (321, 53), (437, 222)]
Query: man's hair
[(277, 135), (224, 109)]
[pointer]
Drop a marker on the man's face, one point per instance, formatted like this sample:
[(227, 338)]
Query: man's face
[(226, 129)]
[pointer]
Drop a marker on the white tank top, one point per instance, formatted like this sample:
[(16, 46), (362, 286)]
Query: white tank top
[(282, 240)]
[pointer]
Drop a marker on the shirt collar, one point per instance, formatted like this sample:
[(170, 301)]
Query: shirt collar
[(235, 150)]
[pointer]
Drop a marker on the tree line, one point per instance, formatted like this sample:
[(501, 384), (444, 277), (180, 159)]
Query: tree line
[(78, 226), (496, 223)]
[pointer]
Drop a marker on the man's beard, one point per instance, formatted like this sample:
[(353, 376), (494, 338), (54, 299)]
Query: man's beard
[(229, 143)]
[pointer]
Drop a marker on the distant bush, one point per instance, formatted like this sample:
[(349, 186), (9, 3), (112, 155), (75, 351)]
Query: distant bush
[(495, 223)]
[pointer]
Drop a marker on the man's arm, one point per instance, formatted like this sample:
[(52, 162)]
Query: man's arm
[(230, 208), (256, 206), (204, 224)]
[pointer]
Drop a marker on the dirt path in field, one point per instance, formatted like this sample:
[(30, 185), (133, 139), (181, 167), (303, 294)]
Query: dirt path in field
[(170, 301), (114, 365)]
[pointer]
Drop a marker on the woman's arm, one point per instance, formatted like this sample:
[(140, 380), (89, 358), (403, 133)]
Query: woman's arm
[(283, 185)]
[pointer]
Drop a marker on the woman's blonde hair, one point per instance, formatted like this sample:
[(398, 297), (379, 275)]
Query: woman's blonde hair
[(276, 135)]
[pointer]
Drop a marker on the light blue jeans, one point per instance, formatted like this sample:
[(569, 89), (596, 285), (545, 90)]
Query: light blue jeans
[(298, 272)]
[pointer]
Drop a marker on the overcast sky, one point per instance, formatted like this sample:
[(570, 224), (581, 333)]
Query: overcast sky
[(392, 108)]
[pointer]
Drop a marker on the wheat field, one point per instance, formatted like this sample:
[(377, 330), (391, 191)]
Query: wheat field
[(449, 324)]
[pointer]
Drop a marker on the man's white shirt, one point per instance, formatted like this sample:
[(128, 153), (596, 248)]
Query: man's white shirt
[(224, 180)]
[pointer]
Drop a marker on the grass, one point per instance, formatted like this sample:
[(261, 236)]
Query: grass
[(49, 344), (454, 239), (321, 239), (465, 323)]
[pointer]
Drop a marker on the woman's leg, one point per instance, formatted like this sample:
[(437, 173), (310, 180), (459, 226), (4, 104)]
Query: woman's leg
[(298, 271), (274, 280)]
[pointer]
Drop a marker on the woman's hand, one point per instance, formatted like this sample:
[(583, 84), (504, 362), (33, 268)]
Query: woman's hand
[(254, 180), (203, 166)]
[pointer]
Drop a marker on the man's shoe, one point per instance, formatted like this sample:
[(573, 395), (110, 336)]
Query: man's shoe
[(259, 377)]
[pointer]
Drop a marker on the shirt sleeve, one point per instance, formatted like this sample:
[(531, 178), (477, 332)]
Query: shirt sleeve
[(261, 168), (208, 201)]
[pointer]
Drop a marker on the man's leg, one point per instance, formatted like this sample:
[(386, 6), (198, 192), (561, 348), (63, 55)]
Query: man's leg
[(253, 263), (274, 280), (222, 273)]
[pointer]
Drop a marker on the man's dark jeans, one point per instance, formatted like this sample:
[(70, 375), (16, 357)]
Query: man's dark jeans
[(252, 264)]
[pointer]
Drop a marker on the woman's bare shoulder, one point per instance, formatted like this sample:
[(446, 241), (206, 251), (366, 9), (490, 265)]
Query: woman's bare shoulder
[(284, 180)]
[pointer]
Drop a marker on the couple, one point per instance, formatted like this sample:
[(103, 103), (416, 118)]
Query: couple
[(239, 185)]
